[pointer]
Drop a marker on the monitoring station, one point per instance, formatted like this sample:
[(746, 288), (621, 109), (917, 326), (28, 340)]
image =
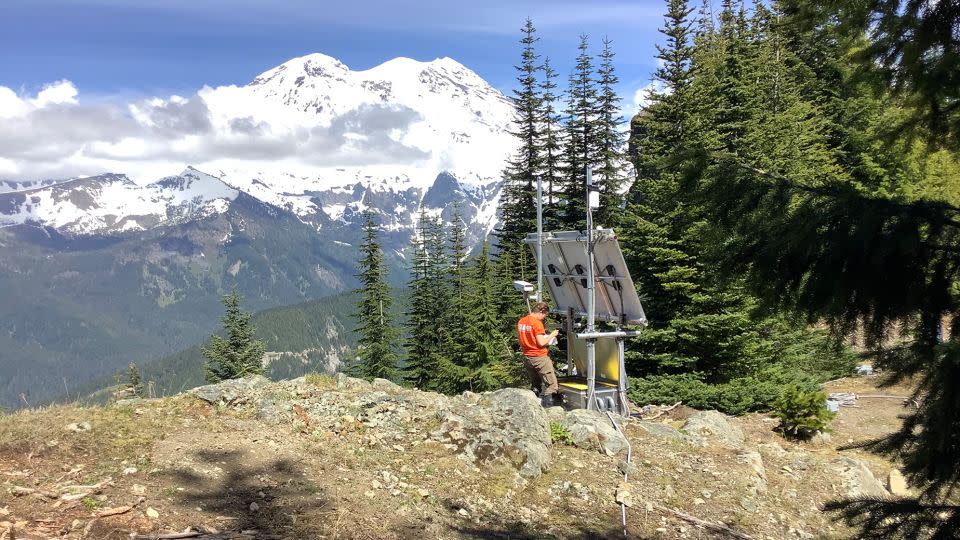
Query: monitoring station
[(589, 283)]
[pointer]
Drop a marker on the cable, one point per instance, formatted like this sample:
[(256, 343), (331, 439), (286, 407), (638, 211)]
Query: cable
[(623, 507)]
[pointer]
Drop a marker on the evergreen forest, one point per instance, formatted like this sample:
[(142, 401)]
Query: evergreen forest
[(791, 186)]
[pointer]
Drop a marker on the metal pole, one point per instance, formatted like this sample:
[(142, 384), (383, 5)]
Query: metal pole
[(539, 239), (570, 337), (591, 299)]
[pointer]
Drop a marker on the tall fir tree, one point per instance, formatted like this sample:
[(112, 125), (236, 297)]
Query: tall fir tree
[(609, 176), (700, 323), (580, 144), (420, 343), (238, 354), (551, 133), (376, 353), (517, 205), (484, 350)]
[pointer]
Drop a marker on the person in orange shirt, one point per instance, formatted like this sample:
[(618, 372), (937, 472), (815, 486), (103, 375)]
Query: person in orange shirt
[(533, 343)]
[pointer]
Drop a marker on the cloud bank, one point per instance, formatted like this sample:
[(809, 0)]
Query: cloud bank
[(55, 134)]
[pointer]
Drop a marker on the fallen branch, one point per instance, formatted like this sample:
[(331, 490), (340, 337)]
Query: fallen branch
[(118, 510), (198, 534), (659, 410), (882, 396), (20, 491), (85, 491), (715, 527)]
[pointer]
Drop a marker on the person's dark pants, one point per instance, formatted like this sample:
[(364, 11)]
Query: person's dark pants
[(543, 380)]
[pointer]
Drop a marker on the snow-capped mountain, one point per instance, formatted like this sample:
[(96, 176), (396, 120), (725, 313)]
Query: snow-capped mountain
[(386, 138), (112, 203), (126, 264)]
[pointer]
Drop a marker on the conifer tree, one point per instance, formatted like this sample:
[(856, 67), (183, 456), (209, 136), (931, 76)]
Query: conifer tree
[(376, 355), (552, 176), (134, 381), (580, 135), (485, 348), (238, 354), (421, 341), (609, 176), (699, 322), (518, 206)]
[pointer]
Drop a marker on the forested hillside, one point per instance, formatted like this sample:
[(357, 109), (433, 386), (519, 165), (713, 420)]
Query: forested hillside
[(314, 336)]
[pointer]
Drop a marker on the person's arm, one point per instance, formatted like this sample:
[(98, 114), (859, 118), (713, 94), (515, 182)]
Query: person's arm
[(544, 339)]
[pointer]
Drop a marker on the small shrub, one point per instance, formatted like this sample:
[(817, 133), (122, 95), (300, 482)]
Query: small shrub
[(802, 412), (90, 503), (560, 434)]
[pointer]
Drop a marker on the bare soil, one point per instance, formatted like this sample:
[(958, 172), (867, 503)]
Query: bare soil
[(182, 465)]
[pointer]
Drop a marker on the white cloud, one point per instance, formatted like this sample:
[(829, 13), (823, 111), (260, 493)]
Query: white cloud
[(641, 98), (55, 93), (56, 134)]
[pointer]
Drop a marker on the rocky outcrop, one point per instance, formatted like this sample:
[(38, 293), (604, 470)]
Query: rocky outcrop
[(858, 480), (232, 392), (507, 424), (593, 430), (715, 426)]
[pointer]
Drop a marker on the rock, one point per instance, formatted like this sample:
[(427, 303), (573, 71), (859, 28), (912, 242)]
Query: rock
[(345, 382), (272, 411), (555, 414), (507, 424), (712, 424), (138, 489), (748, 504), (152, 514), (78, 427), (384, 384), (423, 493), (664, 431), (754, 461), (593, 430), (772, 450), (898, 484), (821, 438), (857, 478), (758, 480), (254, 506), (628, 469), (233, 391), (624, 496), (129, 470)]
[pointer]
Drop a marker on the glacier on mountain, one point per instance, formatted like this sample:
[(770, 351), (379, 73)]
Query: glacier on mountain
[(309, 136)]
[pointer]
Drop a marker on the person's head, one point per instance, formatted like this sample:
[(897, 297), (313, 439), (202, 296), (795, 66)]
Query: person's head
[(540, 310)]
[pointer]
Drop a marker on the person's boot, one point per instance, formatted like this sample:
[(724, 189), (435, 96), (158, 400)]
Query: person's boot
[(547, 401), (557, 399)]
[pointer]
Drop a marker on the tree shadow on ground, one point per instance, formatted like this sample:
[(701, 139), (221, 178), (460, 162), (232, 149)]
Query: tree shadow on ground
[(270, 498), (515, 530)]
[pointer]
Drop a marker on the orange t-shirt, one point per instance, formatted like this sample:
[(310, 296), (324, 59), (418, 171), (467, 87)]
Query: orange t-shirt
[(529, 328)]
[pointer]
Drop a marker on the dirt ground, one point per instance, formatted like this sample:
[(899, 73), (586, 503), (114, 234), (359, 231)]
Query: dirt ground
[(178, 465)]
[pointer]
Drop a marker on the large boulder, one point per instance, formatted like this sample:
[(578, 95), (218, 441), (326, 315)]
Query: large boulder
[(508, 424), (670, 433), (858, 480), (593, 430), (233, 391), (715, 425)]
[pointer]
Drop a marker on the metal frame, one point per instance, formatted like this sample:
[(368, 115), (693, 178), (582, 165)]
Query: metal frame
[(590, 237)]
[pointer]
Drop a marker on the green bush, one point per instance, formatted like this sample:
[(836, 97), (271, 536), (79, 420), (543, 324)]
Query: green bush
[(802, 412), (560, 434)]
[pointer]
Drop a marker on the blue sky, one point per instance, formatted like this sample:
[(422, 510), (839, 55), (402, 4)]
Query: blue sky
[(159, 47)]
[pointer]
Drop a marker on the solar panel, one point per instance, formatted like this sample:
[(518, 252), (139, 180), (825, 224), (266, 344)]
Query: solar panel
[(564, 268)]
